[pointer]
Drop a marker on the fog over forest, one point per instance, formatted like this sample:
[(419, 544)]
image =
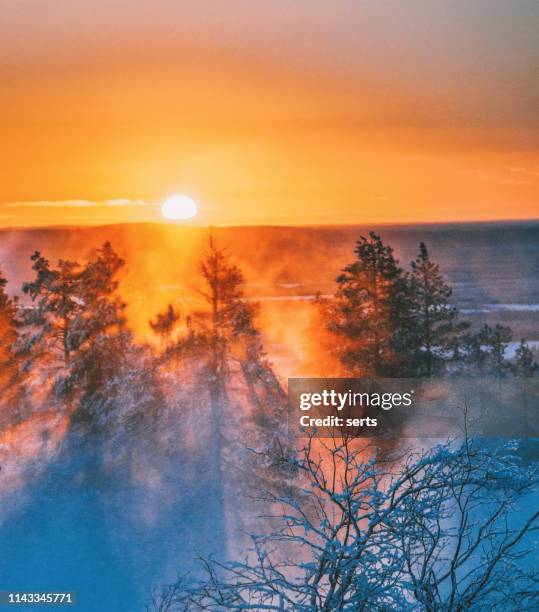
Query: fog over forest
[(144, 400)]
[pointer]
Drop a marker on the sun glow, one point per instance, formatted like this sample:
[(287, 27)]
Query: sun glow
[(179, 208)]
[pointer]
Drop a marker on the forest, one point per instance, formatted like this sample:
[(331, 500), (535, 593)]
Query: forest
[(167, 460)]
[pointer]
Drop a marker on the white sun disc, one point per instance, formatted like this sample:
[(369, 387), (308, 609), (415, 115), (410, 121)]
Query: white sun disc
[(179, 207)]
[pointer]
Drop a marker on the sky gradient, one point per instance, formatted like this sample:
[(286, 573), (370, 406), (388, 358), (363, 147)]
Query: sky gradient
[(281, 112)]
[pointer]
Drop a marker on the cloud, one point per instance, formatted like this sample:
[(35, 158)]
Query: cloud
[(125, 202), (76, 203), (51, 203)]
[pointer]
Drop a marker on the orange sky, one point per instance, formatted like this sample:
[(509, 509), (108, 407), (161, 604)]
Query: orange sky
[(285, 112)]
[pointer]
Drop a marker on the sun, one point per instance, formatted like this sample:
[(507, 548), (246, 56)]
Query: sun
[(179, 208)]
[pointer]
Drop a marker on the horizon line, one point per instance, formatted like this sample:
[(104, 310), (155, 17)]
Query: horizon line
[(276, 224)]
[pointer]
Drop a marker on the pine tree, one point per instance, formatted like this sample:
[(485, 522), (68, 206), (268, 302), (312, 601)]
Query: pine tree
[(524, 365), (9, 383), (222, 337), (56, 304), (76, 336), (75, 309), (228, 323), (164, 324), (238, 374), (370, 315), (208, 350), (8, 325), (435, 320), (493, 343), (219, 349)]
